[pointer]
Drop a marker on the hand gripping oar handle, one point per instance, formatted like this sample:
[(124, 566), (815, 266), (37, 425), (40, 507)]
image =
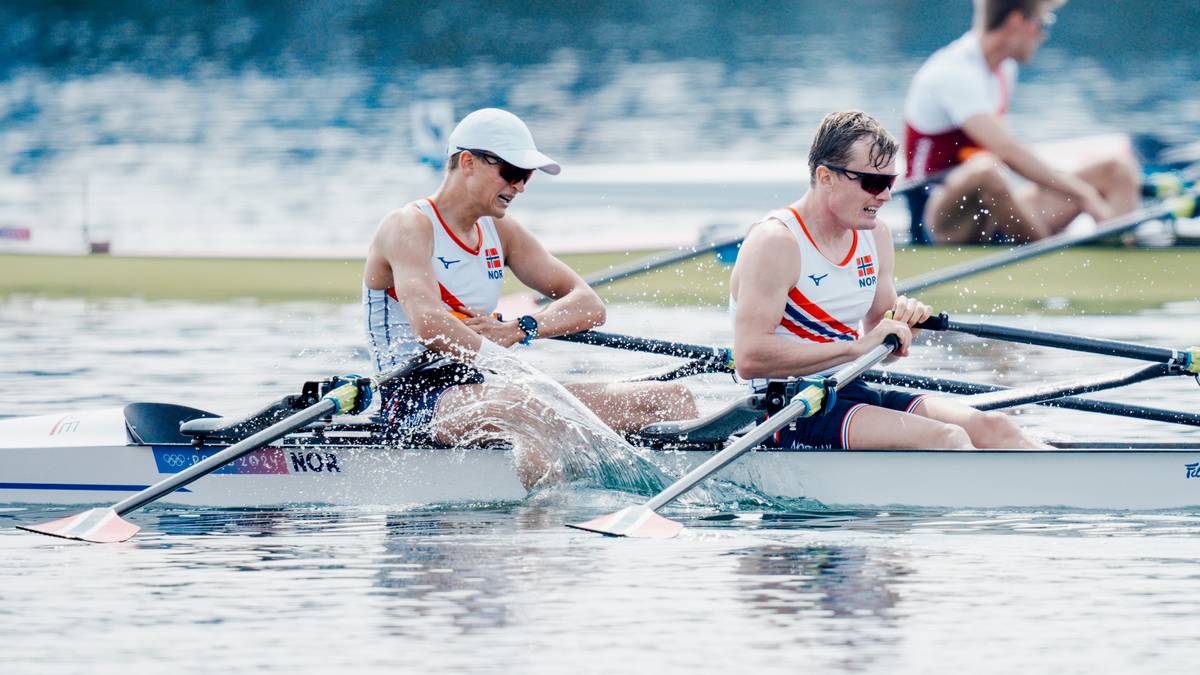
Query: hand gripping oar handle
[(1184, 360), (105, 525), (806, 403), (1183, 206), (642, 520)]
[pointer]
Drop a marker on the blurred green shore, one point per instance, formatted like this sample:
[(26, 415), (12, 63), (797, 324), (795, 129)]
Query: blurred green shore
[(1093, 280)]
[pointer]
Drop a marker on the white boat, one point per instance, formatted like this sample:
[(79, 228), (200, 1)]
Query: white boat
[(103, 456)]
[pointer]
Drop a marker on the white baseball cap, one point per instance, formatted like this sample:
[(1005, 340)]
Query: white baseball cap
[(502, 134)]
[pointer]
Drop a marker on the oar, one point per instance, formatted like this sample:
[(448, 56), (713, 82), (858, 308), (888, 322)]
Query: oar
[(651, 346), (1047, 392), (1183, 206), (106, 525), (1187, 360), (945, 385), (643, 521), (706, 359)]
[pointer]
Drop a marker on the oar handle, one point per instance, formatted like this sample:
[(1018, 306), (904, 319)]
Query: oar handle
[(805, 403), (1182, 359)]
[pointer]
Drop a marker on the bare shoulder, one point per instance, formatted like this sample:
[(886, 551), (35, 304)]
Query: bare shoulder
[(767, 235), (406, 220), (405, 225)]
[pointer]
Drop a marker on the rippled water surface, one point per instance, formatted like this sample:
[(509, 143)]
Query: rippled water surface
[(287, 128), (506, 588)]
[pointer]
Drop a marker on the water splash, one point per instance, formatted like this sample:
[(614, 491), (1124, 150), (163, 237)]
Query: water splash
[(557, 441)]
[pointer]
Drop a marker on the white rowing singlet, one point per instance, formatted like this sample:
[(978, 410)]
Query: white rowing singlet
[(467, 278), (830, 299), (952, 86)]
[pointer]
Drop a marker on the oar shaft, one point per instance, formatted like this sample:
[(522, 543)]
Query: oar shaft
[(298, 420), (233, 452), (661, 260), (765, 430), (1108, 228), (641, 344), (1025, 396), (949, 386), (1077, 343)]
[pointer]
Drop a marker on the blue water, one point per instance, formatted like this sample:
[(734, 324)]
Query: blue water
[(491, 588), (286, 128)]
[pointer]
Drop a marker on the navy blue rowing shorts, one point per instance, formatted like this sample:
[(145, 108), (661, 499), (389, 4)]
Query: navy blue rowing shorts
[(408, 403), (832, 430)]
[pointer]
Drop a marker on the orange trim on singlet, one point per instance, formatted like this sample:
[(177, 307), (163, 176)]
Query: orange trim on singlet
[(451, 301), (804, 228), (818, 313), (478, 231)]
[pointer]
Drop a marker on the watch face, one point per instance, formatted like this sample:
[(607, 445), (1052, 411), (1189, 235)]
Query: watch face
[(528, 324)]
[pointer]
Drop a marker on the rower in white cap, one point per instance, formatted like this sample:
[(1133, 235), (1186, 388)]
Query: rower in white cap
[(432, 281)]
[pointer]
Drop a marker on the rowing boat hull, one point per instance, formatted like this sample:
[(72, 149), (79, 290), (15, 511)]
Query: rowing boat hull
[(1107, 479)]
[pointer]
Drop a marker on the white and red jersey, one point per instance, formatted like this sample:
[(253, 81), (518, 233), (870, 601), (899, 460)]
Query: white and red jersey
[(831, 297), (952, 86), (467, 278)]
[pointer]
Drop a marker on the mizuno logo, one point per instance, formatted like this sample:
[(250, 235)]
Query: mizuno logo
[(447, 263), (817, 279)]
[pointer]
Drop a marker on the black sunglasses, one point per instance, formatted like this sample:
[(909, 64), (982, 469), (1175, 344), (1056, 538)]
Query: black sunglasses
[(873, 183), (510, 173)]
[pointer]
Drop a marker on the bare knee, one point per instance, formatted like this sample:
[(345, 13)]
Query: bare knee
[(995, 425), (997, 430), (990, 179), (951, 437), (1123, 172), (667, 401)]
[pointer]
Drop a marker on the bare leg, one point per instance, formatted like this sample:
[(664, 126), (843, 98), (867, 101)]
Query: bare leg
[(974, 202), (470, 410), (875, 427), (628, 407), (1116, 178), (986, 429)]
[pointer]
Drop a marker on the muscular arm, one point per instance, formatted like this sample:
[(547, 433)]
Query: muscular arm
[(403, 245), (575, 307), (767, 268), (990, 133)]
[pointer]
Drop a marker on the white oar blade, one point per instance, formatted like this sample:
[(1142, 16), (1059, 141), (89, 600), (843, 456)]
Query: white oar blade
[(99, 526), (633, 521)]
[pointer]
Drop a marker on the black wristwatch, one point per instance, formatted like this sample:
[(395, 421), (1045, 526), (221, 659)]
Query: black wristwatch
[(529, 325)]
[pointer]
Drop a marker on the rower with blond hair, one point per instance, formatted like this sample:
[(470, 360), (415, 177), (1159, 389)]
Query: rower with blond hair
[(810, 292)]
